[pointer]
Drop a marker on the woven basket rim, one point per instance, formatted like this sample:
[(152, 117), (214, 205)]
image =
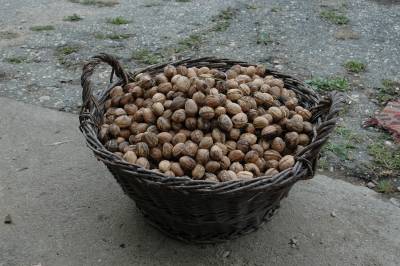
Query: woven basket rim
[(305, 161)]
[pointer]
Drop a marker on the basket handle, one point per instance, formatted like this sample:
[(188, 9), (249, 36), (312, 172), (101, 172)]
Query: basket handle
[(87, 92), (328, 110)]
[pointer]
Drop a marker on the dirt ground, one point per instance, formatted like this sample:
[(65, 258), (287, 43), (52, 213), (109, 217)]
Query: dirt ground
[(352, 46)]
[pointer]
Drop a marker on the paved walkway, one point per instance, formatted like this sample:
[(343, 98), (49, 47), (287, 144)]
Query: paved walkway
[(66, 209)]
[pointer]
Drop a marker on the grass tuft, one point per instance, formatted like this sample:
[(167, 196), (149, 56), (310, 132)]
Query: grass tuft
[(42, 28), (355, 66), (263, 38), (99, 3), (385, 186), (384, 156), (146, 56), (390, 90), (73, 17), (112, 36), (334, 17), (16, 59), (118, 21), (329, 84), (223, 19)]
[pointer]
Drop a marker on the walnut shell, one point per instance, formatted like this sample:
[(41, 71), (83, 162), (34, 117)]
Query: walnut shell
[(190, 148), (212, 166), (292, 139), (206, 112), (251, 156), (236, 155), (164, 137), (239, 120), (272, 155), (253, 168), (130, 157), (269, 132), (164, 166), (249, 137), (178, 149), (142, 149), (227, 175), (286, 162), (271, 172), (260, 122), (225, 123), (245, 175), (150, 139), (163, 124), (177, 169), (276, 113), (191, 107), (216, 153), (198, 171), (143, 162), (243, 145), (304, 139), (123, 121), (278, 144), (202, 156), (156, 154), (206, 143), (187, 163)]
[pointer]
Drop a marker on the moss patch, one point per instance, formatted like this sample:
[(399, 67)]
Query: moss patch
[(385, 186)]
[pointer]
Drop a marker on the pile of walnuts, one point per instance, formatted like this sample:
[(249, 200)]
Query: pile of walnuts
[(206, 124)]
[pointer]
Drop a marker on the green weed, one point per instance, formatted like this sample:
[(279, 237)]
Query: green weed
[(17, 59), (385, 186), (147, 57), (118, 21), (329, 84), (355, 66), (263, 38), (223, 19), (390, 90), (334, 17)]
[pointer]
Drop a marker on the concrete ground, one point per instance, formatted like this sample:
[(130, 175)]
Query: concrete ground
[(66, 209)]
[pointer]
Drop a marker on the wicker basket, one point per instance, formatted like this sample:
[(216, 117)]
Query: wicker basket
[(196, 210)]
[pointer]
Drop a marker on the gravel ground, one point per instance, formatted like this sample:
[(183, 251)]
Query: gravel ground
[(43, 65)]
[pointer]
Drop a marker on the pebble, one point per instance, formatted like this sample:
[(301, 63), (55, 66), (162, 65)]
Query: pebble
[(395, 202), (226, 253), (371, 185), (293, 242), (333, 214), (7, 219), (44, 98)]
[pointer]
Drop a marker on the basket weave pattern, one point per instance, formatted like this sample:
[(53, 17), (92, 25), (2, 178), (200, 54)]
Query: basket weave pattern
[(197, 210)]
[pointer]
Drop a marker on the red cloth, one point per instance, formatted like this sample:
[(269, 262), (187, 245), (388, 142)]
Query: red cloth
[(388, 119)]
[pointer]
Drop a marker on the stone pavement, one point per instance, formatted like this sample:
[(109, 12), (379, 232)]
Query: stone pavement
[(66, 209)]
